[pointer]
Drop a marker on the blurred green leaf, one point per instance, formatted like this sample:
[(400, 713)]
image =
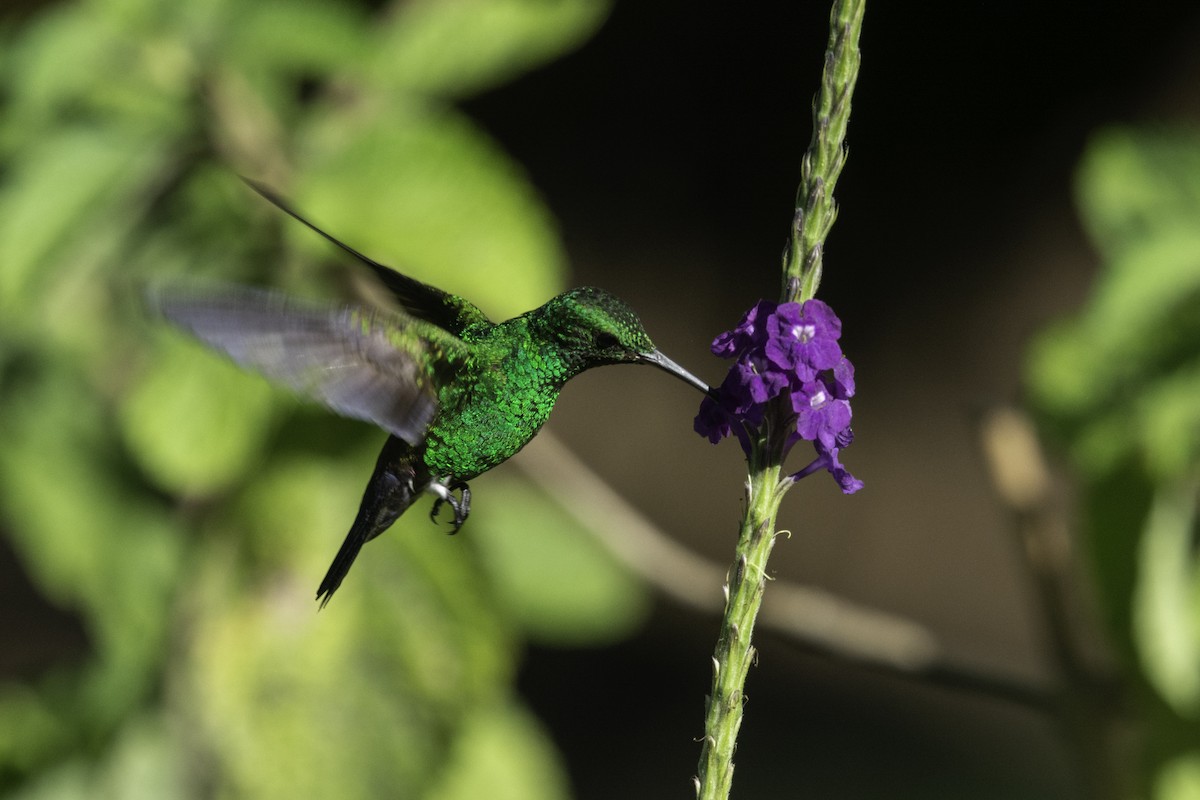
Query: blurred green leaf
[(453, 49), (558, 582), (1168, 419), (501, 753), (1117, 385), (429, 194), (293, 514), (142, 764), (195, 422), (1135, 186), (106, 63), (1179, 779), (1166, 602), (296, 704), (1105, 377), (430, 593), (1062, 368), (96, 545), (63, 189), (62, 782), (32, 728), (296, 38), (363, 696)]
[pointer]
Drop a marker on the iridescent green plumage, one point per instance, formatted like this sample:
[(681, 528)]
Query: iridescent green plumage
[(458, 393)]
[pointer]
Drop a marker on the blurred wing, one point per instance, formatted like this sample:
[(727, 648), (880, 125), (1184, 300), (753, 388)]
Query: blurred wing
[(362, 364), (423, 301)]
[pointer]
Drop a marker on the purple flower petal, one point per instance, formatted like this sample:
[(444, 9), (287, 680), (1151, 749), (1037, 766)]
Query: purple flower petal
[(760, 380), (822, 316), (748, 334), (827, 459), (845, 438), (819, 416), (846, 481), (712, 421), (843, 379), (796, 337)]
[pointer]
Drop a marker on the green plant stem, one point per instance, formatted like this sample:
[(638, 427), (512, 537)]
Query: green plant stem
[(746, 581), (734, 654), (826, 154)]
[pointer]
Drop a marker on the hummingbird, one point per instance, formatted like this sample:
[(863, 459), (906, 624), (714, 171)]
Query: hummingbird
[(457, 393)]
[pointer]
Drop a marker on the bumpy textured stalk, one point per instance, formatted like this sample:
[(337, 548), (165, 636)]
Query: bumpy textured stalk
[(826, 154), (815, 214), (734, 654)]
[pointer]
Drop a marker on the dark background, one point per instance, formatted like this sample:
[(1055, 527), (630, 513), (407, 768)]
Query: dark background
[(669, 149)]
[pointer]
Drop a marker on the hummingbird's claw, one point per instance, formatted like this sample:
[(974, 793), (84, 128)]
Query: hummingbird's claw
[(460, 506)]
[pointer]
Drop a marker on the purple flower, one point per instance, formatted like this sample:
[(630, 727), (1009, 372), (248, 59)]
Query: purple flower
[(820, 416), (749, 334), (759, 379), (717, 419), (789, 349), (712, 421), (843, 379), (804, 337), (827, 459)]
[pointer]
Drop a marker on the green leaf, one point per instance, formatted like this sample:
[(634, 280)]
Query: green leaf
[(429, 194), (141, 764), (1179, 779), (1062, 369), (32, 730), (1168, 423), (453, 49), (40, 79), (501, 753), (1114, 379), (1143, 318), (93, 544), (195, 422), (1134, 184), (429, 593), (133, 67), (293, 703), (68, 781), (64, 187), (555, 578), (1166, 601), (363, 699), (289, 38), (293, 514)]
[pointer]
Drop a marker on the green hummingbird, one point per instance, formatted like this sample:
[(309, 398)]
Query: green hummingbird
[(458, 393)]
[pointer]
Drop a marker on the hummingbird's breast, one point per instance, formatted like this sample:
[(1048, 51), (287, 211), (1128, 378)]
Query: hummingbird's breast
[(494, 408)]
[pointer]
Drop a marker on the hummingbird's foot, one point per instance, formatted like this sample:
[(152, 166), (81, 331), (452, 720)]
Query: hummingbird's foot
[(460, 505)]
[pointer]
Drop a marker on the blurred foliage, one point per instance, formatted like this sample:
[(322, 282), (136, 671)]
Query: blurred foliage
[(184, 511), (1119, 387)]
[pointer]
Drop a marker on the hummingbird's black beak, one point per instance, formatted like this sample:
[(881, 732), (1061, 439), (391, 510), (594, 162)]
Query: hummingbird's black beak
[(656, 358)]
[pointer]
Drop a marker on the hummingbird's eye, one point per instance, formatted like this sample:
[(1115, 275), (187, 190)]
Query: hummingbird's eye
[(606, 341)]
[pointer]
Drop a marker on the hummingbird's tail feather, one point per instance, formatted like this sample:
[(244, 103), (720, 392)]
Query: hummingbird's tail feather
[(393, 487)]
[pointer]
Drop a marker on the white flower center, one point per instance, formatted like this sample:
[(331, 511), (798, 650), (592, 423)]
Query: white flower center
[(804, 333)]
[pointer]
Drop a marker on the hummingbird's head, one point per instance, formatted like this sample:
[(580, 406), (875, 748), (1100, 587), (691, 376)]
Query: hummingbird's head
[(598, 329)]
